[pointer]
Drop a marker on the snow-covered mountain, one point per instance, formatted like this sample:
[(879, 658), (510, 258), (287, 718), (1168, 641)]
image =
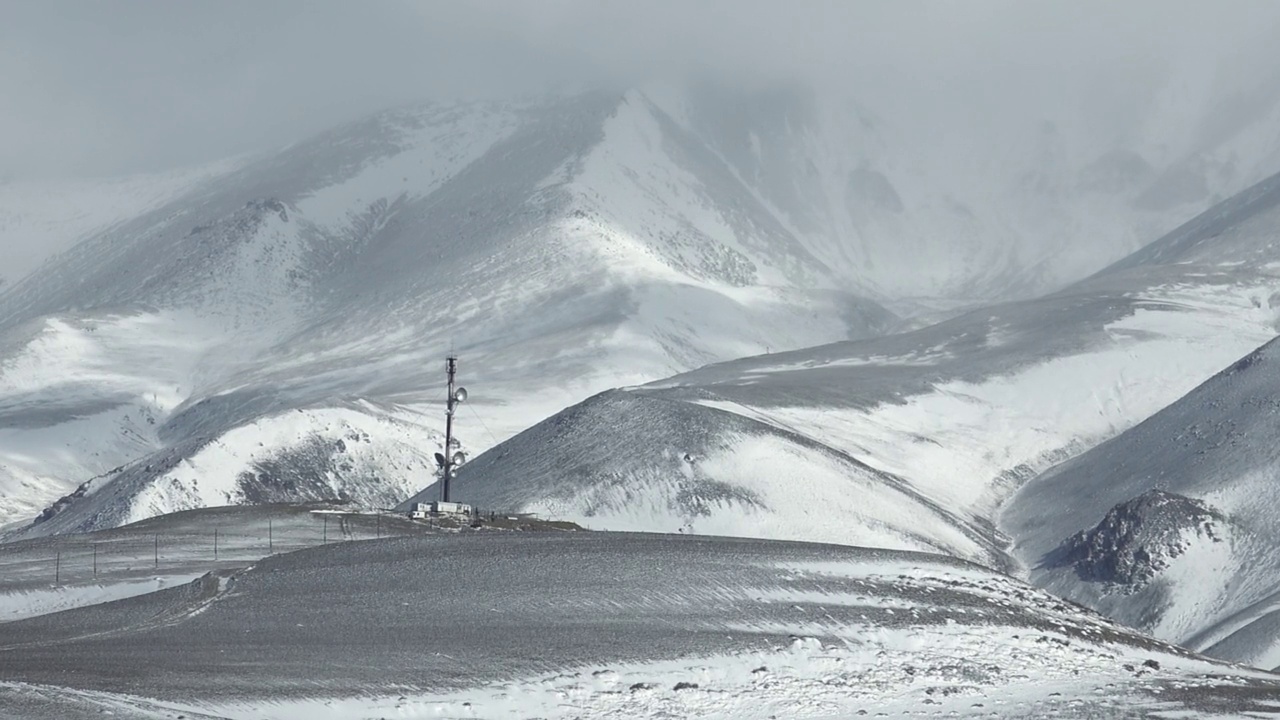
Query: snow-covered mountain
[(913, 440), (562, 246), (1201, 564)]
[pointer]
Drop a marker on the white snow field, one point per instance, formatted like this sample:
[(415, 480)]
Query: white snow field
[(23, 604), (909, 441), (562, 247), (565, 625), (1202, 574)]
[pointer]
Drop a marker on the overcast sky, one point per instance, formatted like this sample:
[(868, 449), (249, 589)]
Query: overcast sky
[(94, 88)]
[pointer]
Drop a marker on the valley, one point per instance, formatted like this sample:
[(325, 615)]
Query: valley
[(784, 404)]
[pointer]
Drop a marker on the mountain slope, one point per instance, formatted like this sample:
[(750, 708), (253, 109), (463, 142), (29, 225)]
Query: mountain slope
[(1236, 231), (562, 246), (336, 272), (863, 441), (1211, 579)]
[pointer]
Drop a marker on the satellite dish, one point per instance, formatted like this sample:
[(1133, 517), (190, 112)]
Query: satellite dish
[(439, 459), (459, 458), (460, 395)]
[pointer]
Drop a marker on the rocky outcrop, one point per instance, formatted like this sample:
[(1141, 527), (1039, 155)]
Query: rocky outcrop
[(1140, 537)]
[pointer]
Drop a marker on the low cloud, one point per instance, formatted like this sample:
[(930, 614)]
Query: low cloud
[(95, 88)]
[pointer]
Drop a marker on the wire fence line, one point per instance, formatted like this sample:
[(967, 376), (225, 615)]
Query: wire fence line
[(139, 550), (200, 541)]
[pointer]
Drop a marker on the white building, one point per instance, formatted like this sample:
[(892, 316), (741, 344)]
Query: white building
[(421, 511)]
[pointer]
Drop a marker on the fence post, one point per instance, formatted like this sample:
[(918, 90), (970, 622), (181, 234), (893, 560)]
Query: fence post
[(271, 546), (57, 569), (325, 537), (379, 526), (215, 544), (95, 559), (157, 551)]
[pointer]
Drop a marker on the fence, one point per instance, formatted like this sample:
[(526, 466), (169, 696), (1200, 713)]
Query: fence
[(198, 541), (199, 544)]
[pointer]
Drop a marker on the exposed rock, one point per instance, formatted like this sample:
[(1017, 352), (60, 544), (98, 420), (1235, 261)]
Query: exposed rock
[(1139, 537)]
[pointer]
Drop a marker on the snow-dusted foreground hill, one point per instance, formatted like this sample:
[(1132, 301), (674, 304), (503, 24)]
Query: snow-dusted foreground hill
[(602, 625), (1195, 563), (913, 440), (55, 573)]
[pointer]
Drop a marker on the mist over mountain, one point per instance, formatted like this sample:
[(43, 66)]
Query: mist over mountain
[(913, 440), (820, 359), (562, 245)]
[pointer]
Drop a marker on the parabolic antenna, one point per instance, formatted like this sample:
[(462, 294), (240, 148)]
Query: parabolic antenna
[(459, 458), (460, 395)]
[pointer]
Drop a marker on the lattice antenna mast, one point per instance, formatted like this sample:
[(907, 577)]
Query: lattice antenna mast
[(451, 457)]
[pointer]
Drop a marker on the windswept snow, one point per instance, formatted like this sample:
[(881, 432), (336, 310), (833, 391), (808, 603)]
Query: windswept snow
[(910, 441), (82, 397), (1215, 445), (563, 246), (331, 279), (269, 331), (32, 603), (638, 626)]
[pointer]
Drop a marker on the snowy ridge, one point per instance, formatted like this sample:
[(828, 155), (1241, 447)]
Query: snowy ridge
[(344, 266), (865, 441), (1238, 230), (565, 246), (686, 468), (84, 396), (1214, 445), (298, 456)]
